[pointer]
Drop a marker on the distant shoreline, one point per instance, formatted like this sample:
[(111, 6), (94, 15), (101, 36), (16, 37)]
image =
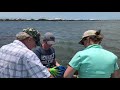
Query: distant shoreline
[(19, 19), (51, 20)]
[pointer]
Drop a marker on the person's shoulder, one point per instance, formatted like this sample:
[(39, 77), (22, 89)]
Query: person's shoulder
[(26, 50), (28, 53), (4, 46), (81, 52), (109, 52), (77, 54), (7, 45)]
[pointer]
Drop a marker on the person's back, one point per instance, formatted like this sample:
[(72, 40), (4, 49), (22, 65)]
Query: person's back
[(93, 61), (97, 62), (14, 61)]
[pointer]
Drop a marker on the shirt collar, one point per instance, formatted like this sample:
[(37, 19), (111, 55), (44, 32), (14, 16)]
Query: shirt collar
[(19, 43), (94, 46)]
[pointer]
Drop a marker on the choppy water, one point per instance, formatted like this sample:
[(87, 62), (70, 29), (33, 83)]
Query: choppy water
[(67, 33)]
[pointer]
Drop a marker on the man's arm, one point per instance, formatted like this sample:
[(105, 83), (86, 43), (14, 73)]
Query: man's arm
[(56, 63), (35, 67)]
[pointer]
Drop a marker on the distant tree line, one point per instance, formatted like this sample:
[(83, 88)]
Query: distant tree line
[(49, 20)]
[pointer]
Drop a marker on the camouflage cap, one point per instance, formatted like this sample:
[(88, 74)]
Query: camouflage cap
[(34, 33), (31, 31)]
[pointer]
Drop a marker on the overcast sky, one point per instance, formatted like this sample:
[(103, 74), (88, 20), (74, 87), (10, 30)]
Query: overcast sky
[(63, 15)]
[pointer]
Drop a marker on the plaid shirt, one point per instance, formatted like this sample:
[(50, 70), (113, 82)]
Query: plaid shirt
[(17, 61)]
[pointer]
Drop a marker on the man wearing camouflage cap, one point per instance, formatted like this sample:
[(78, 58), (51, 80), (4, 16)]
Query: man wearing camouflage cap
[(18, 61)]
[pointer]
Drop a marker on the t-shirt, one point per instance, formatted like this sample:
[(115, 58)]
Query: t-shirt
[(47, 57), (94, 62)]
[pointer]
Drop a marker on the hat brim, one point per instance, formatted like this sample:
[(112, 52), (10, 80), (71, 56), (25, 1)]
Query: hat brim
[(81, 41), (50, 42)]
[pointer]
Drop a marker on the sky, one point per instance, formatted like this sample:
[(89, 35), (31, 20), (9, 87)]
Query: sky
[(63, 15)]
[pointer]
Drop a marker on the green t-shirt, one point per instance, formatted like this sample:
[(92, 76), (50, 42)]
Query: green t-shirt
[(94, 62)]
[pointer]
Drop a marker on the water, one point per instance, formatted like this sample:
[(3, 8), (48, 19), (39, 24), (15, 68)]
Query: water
[(67, 33)]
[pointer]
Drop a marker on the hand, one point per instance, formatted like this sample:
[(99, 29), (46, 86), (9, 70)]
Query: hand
[(54, 71), (57, 71)]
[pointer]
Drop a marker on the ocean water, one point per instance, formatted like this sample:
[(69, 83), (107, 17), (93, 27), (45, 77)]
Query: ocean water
[(67, 33)]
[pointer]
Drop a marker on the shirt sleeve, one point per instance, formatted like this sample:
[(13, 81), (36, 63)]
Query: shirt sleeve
[(35, 67), (75, 61), (116, 64)]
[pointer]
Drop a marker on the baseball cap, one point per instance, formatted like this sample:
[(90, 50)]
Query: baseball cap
[(31, 31), (86, 34), (49, 37), (34, 33)]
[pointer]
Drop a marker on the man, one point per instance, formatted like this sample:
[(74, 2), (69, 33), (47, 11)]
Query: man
[(46, 54), (93, 61), (18, 61)]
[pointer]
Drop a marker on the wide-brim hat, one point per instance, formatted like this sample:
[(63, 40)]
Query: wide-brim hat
[(86, 34)]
